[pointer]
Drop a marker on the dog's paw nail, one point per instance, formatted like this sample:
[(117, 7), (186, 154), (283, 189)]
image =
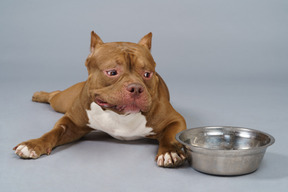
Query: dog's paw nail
[(19, 148), (182, 157), (33, 155), (160, 161), (167, 160), (175, 157)]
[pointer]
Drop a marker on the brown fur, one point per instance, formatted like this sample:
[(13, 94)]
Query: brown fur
[(132, 60)]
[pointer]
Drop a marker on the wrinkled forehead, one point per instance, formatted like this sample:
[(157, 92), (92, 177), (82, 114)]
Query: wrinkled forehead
[(122, 53)]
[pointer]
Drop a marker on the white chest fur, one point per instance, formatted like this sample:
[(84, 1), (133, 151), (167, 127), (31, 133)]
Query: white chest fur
[(124, 127)]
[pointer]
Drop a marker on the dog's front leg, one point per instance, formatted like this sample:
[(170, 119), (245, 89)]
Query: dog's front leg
[(64, 131), (170, 153)]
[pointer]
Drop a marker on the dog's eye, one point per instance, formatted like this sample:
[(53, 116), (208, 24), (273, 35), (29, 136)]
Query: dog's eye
[(147, 75), (112, 72)]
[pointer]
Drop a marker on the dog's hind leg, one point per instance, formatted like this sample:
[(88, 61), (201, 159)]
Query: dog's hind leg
[(60, 101), (44, 97)]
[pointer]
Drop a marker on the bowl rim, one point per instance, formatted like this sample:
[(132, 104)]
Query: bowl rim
[(198, 148)]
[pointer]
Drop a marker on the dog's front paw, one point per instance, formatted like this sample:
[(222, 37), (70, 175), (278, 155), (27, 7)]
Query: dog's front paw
[(24, 152), (31, 149), (170, 159)]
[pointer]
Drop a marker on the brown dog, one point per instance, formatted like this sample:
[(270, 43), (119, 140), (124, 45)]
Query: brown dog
[(123, 96)]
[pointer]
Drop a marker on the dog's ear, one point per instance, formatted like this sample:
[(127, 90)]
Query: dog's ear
[(95, 41), (146, 41)]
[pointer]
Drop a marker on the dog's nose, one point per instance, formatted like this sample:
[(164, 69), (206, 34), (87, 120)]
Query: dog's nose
[(135, 88)]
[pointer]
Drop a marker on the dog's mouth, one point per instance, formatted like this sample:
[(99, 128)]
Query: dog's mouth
[(123, 108)]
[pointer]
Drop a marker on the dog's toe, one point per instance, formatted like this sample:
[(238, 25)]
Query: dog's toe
[(177, 159), (168, 162), (160, 160)]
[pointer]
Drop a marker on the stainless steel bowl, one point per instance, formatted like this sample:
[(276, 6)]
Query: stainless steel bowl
[(225, 150)]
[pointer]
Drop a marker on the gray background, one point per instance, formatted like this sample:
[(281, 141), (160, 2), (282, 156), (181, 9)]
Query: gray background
[(225, 63)]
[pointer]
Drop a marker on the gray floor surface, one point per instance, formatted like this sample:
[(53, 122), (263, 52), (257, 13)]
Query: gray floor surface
[(225, 63)]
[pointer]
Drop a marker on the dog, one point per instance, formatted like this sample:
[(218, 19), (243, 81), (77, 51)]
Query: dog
[(123, 96)]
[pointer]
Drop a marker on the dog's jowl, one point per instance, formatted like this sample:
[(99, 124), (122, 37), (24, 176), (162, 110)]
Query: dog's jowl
[(123, 96)]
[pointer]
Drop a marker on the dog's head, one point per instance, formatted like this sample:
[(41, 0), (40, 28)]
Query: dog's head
[(122, 75)]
